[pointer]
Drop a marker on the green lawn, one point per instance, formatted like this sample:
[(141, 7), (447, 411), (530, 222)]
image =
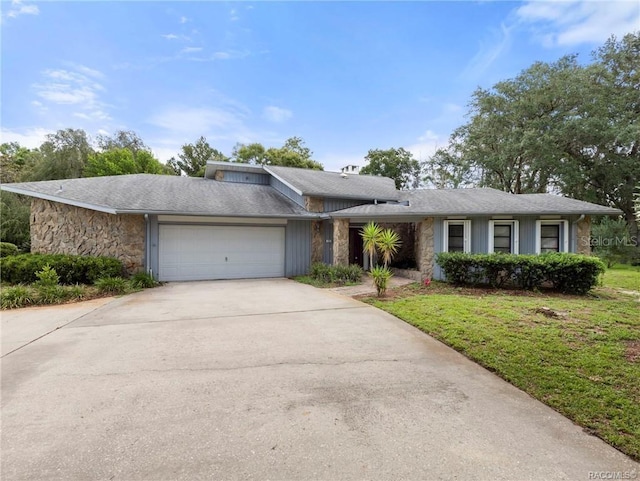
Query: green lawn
[(585, 363), (623, 276)]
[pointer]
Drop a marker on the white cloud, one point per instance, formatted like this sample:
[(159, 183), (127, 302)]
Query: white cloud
[(276, 114), (191, 50), (233, 15), (426, 145), (576, 22), (489, 52), (170, 36), (183, 19), (19, 8), (30, 138), (77, 87), (196, 121)]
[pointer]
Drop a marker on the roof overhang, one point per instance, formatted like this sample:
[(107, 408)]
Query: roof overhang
[(61, 200)]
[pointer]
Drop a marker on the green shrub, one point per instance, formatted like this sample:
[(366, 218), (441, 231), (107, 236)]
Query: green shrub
[(47, 277), (8, 249), (143, 280), (51, 294), (568, 273), (15, 296), (111, 285), (70, 269), (338, 274), (381, 276)]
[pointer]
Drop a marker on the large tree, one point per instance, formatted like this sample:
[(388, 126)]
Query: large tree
[(63, 155), (294, 153), (122, 139), (193, 158), (398, 164), (560, 127), (120, 161)]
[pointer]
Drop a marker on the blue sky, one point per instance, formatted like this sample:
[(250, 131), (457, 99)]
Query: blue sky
[(345, 76)]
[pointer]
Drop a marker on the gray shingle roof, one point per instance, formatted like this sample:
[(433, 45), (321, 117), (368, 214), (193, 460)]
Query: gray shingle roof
[(332, 184), (147, 193), (436, 202)]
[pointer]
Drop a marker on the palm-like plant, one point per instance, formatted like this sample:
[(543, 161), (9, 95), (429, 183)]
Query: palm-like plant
[(388, 243), (370, 234)]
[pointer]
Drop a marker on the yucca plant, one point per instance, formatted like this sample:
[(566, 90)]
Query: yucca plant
[(388, 244), (381, 276), (370, 234)]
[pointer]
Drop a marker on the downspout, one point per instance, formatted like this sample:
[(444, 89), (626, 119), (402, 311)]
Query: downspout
[(147, 243)]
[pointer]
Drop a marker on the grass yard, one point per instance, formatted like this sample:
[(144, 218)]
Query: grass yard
[(623, 276), (585, 363)]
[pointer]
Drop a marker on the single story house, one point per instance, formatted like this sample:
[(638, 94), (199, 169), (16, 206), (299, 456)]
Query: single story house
[(247, 221)]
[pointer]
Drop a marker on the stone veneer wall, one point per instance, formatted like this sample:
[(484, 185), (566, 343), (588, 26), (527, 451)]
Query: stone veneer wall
[(583, 236), (316, 204), (425, 247), (341, 241), (64, 229)]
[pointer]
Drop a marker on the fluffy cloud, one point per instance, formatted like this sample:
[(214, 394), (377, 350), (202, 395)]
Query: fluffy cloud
[(19, 8), (575, 22), (276, 114), (77, 86)]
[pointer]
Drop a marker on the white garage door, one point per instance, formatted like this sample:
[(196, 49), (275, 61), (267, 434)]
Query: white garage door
[(190, 252)]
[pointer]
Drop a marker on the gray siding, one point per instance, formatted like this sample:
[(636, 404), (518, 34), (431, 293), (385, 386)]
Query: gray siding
[(154, 236), (331, 205), (437, 246), (297, 248), (328, 242), (286, 191), (527, 233), (246, 177), (480, 235)]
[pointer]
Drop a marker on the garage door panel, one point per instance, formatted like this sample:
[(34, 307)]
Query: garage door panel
[(188, 252)]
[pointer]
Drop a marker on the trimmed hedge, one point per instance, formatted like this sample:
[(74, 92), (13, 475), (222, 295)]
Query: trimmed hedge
[(339, 274), (22, 269), (8, 249), (568, 273)]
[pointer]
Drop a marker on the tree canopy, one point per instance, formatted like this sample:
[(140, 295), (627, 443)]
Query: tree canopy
[(294, 153), (193, 158), (398, 164), (556, 127)]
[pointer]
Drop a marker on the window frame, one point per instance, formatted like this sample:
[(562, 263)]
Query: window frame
[(466, 234), (515, 234), (563, 231)]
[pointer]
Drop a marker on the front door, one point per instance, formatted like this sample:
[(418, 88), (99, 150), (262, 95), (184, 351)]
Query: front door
[(355, 246)]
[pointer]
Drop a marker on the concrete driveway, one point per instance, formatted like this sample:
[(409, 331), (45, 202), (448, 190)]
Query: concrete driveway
[(266, 380)]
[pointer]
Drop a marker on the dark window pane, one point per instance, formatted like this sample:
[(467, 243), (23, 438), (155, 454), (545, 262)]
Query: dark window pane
[(502, 230), (550, 243), (456, 230), (550, 231), (502, 243), (506, 250)]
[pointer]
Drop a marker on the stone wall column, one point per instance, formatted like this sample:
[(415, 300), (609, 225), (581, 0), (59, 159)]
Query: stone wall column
[(583, 236), (425, 247), (317, 242), (65, 229), (316, 204), (341, 241)]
